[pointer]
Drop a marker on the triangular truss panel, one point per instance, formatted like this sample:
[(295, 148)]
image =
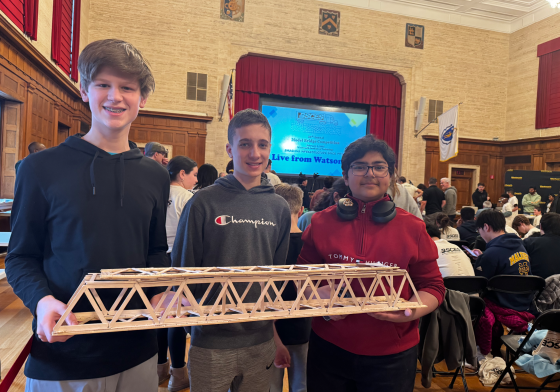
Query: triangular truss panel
[(233, 295)]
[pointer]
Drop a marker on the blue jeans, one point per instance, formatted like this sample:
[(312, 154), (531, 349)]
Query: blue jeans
[(331, 368), (296, 372)]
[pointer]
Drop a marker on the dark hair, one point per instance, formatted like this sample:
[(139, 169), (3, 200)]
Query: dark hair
[(402, 179), (178, 163), (269, 163), (509, 191), (518, 220), (432, 181), (550, 223), (33, 146), (505, 195), (539, 208), (533, 187), (229, 167), (467, 214), (244, 118), (494, 219), (433, 230), (207, 175), (443, 221), (421, 187), (302, 177), (326, 199), (360, 147), (481, 183), (328, 181), (551, 194), (533, 234)]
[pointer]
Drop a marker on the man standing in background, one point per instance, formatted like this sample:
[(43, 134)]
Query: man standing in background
[(433, 199), (480, 196), (531, 200), (32, 148), (411, 189), (450, 208)]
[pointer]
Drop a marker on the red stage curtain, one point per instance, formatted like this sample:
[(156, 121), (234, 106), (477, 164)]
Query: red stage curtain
[(384, 124), (56, 30), (548, 96), (76, 40), (31, 16), (257, 75), (245, 100)]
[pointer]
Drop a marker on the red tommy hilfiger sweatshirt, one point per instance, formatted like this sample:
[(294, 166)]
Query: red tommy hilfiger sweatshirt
[(403, 243)]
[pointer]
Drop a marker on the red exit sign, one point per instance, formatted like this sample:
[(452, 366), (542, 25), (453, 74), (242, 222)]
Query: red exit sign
[(460, 172)]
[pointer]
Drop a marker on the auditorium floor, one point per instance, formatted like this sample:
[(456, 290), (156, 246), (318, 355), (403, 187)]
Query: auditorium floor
[(15, 326)]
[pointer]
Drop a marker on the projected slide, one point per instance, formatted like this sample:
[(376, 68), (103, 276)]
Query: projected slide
[(311, 141)]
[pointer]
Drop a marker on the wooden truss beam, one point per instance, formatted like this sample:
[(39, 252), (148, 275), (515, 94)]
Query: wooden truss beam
[(355, 288)]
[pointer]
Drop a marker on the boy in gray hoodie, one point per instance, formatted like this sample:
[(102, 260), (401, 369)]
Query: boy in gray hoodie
[(238, 221)]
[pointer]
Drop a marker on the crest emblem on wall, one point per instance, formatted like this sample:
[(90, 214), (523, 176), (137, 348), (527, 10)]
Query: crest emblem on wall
[(232, 10), (414, 36), (329, 22)]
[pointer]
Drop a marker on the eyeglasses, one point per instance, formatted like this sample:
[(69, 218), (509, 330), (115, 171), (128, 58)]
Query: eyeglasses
[(379, 171)]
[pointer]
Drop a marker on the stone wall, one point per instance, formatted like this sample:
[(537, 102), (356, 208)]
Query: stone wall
[(457, 64), (523, 76)]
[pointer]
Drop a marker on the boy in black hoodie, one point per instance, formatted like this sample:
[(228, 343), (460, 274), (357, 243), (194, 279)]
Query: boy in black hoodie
[(90, 203), (238, 221), (467, 225), (504, 255)]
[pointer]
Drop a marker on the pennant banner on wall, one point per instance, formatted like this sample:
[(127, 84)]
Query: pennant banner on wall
[(448, 134)]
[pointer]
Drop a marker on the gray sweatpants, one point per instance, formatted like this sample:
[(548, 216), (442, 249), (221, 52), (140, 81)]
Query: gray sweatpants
[(141, 378), (247, 369)]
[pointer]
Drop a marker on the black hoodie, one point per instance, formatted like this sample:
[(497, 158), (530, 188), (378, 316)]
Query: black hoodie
[(505, 255), (78, 209), (467, 231)]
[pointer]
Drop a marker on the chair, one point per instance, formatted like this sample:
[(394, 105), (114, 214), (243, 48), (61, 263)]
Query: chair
[(517, 284), (460, 243), (548, 320), (476, 307), (466, 284)]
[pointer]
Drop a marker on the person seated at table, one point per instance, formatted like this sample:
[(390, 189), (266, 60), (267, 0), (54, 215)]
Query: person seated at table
[(452, 261), (523, 226), (538, 215), (487, 205), (445, 225), (466, 226), (504, 255)]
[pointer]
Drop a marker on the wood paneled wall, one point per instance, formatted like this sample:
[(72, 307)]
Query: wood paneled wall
[(491, 156), (48, 102), (187, 134)]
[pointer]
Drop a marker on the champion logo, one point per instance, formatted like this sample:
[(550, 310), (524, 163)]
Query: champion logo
[(223, 220)]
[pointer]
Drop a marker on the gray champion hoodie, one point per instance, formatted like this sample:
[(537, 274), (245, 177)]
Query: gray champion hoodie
[(226, 225)]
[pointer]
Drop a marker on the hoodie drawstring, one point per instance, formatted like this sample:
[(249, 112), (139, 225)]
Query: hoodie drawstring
[(92, 175), (92, 171), (122, 178)]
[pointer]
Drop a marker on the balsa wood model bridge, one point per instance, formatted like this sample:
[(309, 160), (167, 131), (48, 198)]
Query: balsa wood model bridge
[(225, 298)]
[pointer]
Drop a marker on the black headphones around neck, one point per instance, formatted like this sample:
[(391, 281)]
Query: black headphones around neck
[(382, 212)]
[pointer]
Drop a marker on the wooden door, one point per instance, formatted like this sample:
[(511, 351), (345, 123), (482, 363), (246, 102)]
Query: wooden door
[(10, 113), (63, 132), (462, 180)]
